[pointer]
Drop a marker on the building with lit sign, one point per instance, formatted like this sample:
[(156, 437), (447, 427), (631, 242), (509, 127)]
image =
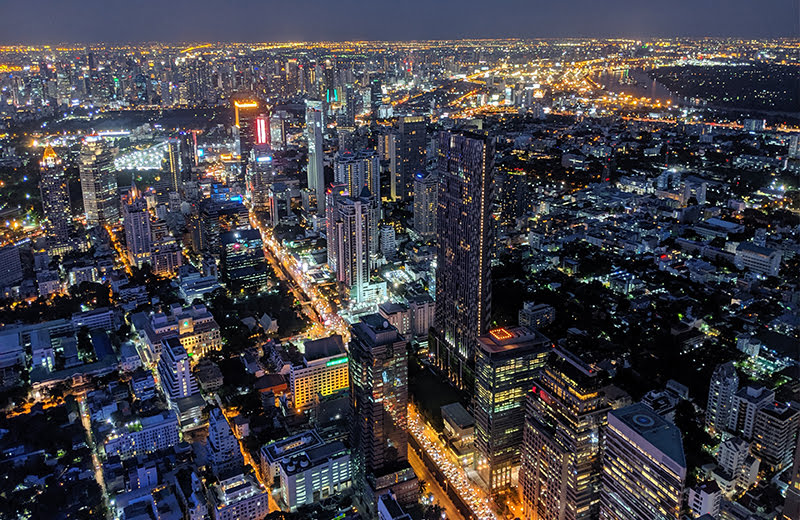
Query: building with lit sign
[(323, 372)]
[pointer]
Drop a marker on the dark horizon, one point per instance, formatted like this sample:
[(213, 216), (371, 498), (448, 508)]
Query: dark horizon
[(251, 21)]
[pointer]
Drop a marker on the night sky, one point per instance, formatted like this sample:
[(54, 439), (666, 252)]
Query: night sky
[(53, 21)]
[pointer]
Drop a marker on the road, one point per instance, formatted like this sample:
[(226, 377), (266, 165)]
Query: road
[(86, 421), (433, 487)]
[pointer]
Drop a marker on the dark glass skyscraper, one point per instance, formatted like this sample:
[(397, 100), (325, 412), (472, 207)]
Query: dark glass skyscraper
[(411, 151), (463, 231), (561, 450), (55, 202), (379, 403)]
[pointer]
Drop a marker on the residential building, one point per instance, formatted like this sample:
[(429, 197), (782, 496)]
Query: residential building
[(426, 187), (224, 455), (239, 498), (774, 435), (746, 403), (146, 435), (723, 387), (98, 183)]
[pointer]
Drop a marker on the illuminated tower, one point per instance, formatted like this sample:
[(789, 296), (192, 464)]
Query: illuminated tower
[(644, 468), (316, 152), (55, 202), (425, 191), (357, 170), (463, 231), (506, 362), (561, 449), (244, 121), (350, 242), (173, 164), (138, 237), (379, 404), (98, 183), (262, 130)]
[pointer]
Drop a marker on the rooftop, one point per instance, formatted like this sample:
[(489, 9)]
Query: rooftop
[(662, 434)]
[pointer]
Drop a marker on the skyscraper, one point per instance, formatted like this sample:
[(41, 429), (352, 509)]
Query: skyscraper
[(350, 242), (138, 237), (561, 452), (357, 170), (724, 384), (223, 448), (316, 152), (506, 362), (173, 165), (55, 202), (98, 183), (425, 191), (379, 403), (243, 263), (463, 231), (174, 370), (774, 435), (644, 468), (411, 151)]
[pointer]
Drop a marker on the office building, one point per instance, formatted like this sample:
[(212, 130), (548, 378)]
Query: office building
[(426, 187), (791, 507), (459, 432), (315, 474), (54, 190), (356, 170), (411, 147), (98, 183), (758, 259), (324, 371), (245, 112), (243, 263), (723, 387), (10, 265), (262, 133), (644, 468), (463, 231), (562, 449), (239, 498), (774, 435), (745, 405), (224, 455), (379, 403), (536, 316), (316, 152), (506, 363), (138, 236)]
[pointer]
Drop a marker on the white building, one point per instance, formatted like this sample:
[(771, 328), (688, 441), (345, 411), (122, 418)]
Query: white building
[(239, 498), (146, 435), (315, 474), (746, 403), (760, 260), (723, 387), (705, 499)]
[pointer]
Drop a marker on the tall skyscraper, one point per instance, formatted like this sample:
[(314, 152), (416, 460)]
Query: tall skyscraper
[(138, 236), (173, 165), (463, 231), (350, 241), (791, 508), (55, 202), (174, 370), (379, 403), (561, 452), (506, 362), (644, 468), (411, 151), (426, 186), (262, 134), (774, 435), (316, 152), (245, 112), (357, 170), (243, 263), (724, 384), (98, 183)]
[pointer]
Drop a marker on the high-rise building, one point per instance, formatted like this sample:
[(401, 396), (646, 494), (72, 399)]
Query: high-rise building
[(262, 133), (746, 403), (379, 403), (174, 370), (138, 237), (10, 265), (426, 186), (774, 434), (561, 451), (98, 183), (644, 468), (55, 202), (356, 170), (245, 112), (463, 231), (223, 447), (243, 262), (352, 242), (724, 384), (411, 147), (791, 508), (506, 363), (316, 152), (173, 165), (324, 371)]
